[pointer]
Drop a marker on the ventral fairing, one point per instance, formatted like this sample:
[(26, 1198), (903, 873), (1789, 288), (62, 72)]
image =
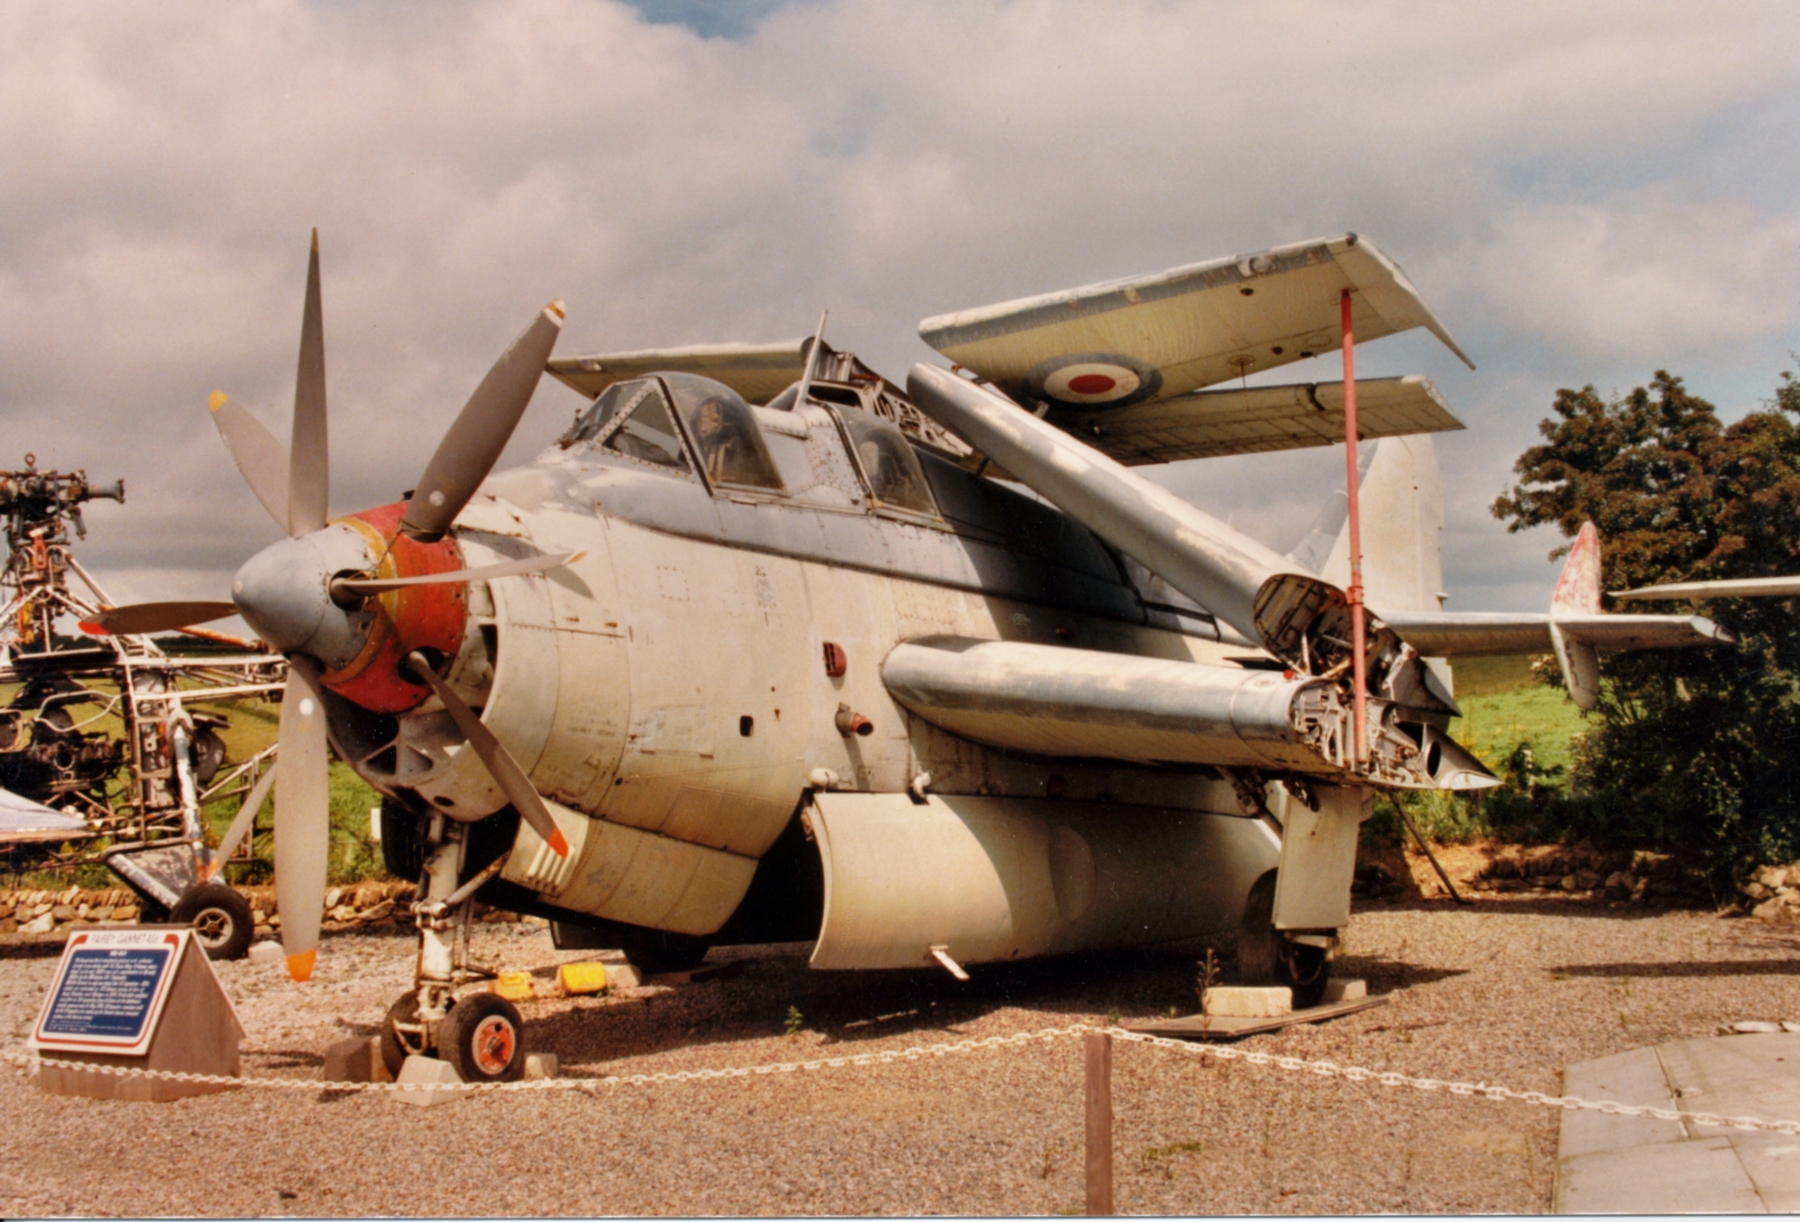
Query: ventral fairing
[(769, 647)]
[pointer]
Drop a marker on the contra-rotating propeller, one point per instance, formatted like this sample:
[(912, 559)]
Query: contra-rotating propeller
[(299, 599)]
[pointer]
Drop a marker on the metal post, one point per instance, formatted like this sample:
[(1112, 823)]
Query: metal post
[(1098, 1048), (1356, 586)]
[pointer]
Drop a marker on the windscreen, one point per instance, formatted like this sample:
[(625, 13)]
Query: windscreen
[(726, 438)]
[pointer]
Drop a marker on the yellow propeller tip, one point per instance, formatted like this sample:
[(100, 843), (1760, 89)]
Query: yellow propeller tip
[(558, 845), (300, 967), (577, 556), (555, 311), (216, 400)]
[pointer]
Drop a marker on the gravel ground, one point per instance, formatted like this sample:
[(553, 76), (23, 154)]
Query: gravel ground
[(1508, 991)]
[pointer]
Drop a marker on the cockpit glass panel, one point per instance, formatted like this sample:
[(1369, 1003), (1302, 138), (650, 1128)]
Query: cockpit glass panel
[(726, 438), (648, 433), (888, 462), (604, 410)]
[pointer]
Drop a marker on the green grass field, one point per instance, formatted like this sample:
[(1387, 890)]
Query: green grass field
[(1504, 705), (253, 726)]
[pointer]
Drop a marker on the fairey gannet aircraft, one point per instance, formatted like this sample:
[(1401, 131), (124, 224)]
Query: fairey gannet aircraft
[(769, 647)]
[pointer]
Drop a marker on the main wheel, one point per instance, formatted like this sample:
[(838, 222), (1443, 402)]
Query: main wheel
[(220, 917), (397, 1045), (1265, 956), (483, 1039), (655, 950)]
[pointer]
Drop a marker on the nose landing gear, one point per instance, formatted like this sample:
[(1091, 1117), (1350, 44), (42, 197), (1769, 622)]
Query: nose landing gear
[(481, 1034)]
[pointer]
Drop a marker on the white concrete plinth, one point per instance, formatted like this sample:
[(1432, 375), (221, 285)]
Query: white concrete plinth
[(1245, 1001), (428, 1071)]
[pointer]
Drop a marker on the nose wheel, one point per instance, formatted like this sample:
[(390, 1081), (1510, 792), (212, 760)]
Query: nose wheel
[(482, 1040), (480, 1035)]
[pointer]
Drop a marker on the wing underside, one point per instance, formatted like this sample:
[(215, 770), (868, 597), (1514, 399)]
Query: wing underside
[(1209, 423), (758, 372), (1448, 634), (1153, 337)]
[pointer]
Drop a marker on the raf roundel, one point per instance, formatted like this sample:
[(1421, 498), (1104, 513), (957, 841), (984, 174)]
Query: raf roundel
[(1094, 380)]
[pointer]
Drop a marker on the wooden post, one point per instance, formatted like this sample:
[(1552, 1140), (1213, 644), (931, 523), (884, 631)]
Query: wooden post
[(1098, 1047)]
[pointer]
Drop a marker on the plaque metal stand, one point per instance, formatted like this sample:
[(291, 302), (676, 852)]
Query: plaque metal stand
[(145, 998)]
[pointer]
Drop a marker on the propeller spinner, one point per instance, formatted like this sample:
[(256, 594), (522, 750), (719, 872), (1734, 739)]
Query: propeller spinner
[(316, 596)]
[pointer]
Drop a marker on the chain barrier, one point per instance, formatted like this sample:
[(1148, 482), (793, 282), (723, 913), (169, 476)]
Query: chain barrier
[(1322, 1069)]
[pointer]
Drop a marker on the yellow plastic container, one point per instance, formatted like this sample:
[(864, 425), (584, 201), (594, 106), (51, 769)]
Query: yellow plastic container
[(514, 986), (583, 978)]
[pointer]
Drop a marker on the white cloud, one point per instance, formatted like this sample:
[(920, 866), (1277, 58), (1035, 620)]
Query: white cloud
[(1530, 166)]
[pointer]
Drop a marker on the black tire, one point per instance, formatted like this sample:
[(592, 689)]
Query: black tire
[(394, 1047), (483, 1039), (1266, 957), (652, 951), (220, 918), (402, 841)]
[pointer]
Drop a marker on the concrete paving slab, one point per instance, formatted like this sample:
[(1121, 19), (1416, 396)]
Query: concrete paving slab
[(1634, 1077), (1702, 1176), (1618, 1164)]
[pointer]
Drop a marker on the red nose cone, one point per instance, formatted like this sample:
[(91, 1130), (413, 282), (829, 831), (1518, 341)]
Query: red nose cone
[(414, 617)]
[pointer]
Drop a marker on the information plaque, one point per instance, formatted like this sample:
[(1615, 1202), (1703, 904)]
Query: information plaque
[(109, 991)]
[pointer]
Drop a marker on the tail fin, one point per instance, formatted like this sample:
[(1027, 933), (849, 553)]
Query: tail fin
[(1578, 593), (1402, 516)]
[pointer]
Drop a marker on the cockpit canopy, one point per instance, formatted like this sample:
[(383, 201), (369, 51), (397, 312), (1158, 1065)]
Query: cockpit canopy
[(831, 456)]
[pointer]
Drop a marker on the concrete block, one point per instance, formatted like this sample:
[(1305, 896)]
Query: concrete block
[(1344, 990), (352, 1060), (1245, 1001), (267, 952), (623, 976), (428, 1071), (540, 1065)]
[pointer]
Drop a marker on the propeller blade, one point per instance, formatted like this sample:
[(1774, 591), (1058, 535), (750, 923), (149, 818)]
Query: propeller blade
[(259, 457), (511, 568), (140, 618), (513, 782), (302, 816), (309, 477), (246, 819), (472, 446)]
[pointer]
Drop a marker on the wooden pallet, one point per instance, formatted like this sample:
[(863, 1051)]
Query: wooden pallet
[(1219, 1027)]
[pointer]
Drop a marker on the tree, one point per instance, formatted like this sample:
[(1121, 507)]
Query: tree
[(1693, 749)]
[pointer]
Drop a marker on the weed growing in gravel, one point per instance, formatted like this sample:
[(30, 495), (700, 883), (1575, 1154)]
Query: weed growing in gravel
[(795, 1021), (1209, 976)]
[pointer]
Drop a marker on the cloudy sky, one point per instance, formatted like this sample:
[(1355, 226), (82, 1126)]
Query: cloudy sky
[(1584, 192)]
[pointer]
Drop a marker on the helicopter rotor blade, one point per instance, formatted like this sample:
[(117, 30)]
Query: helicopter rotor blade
[(309, 475), (138, 619), (302, 816), (510, 568), (472, 446), (259, 457), (500, 764)]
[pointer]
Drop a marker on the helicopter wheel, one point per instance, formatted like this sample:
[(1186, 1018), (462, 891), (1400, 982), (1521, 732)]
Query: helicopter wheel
[(220, 918), (483, 1039)]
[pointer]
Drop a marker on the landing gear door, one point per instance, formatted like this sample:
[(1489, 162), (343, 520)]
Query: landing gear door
[(1318, 858)]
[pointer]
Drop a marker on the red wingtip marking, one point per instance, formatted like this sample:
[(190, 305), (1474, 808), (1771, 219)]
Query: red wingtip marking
[(93, 629), (300, 967), (558, 845)]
